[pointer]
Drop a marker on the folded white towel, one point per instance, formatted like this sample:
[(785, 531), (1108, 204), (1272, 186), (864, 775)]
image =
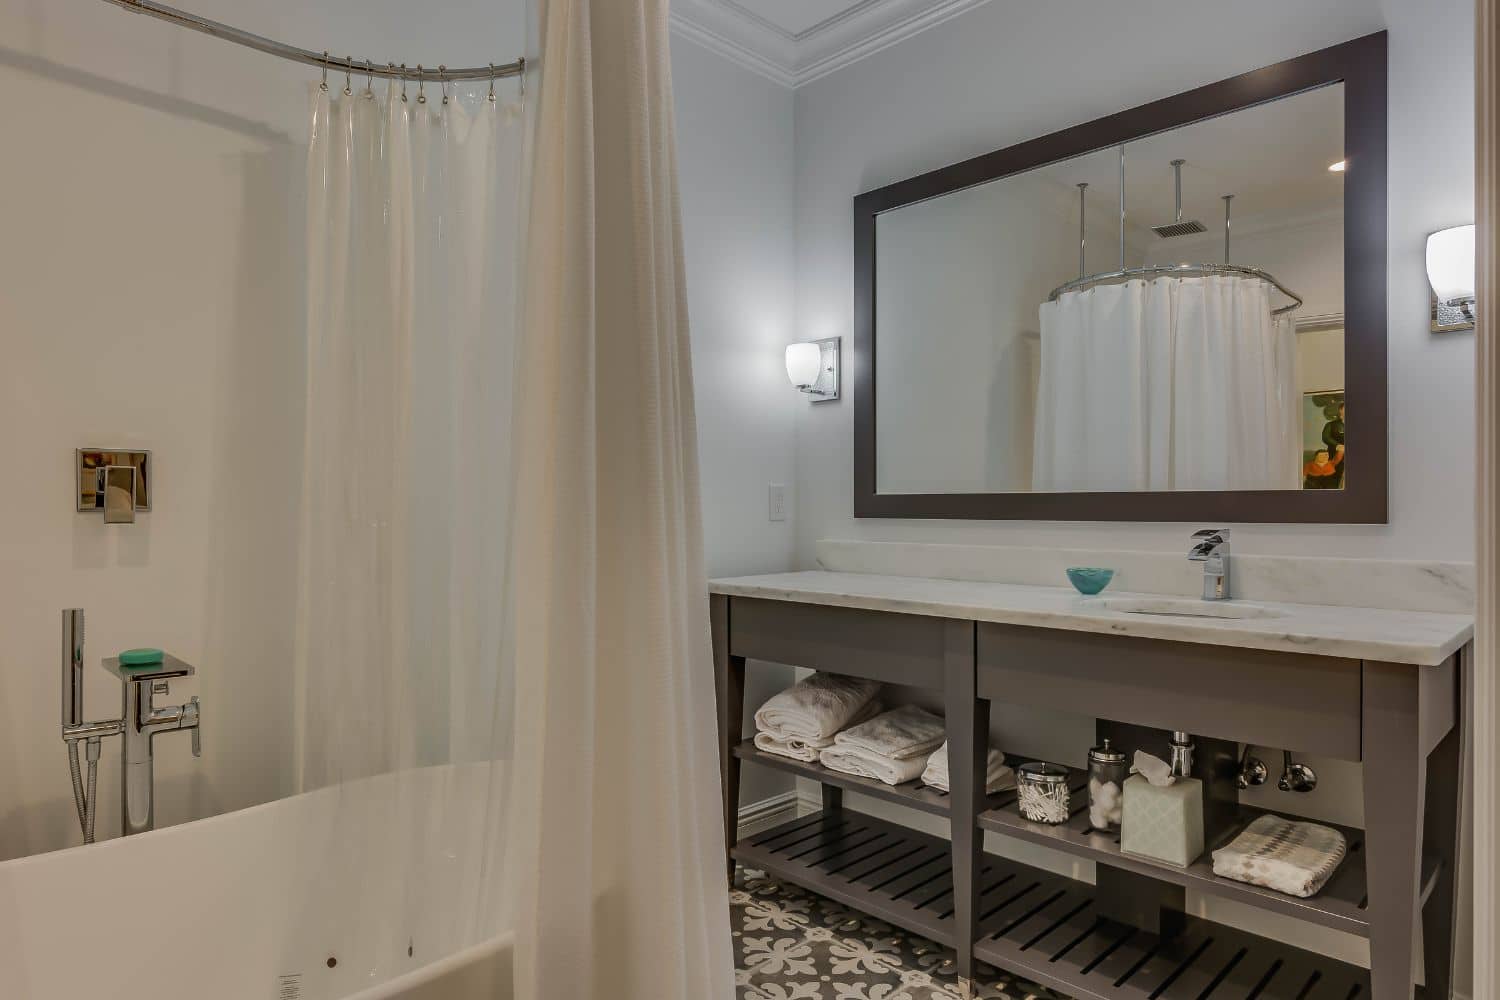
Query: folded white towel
[(816, 708), (1286, 855), (900, 734), (861, 762), (799, 748), (997, 777)]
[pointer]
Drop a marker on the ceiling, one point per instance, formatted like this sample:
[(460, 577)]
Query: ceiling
[(796, 41)]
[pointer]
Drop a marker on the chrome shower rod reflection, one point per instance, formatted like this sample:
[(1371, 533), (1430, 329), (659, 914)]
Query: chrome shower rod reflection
[(319, 59)]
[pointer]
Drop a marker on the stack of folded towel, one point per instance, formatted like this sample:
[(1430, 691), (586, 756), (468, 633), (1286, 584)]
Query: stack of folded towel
[(892, 748), (802, 720), (997, 774), (1286, 855)]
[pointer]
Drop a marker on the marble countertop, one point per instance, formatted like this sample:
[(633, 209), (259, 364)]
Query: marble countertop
[(1419, 637)]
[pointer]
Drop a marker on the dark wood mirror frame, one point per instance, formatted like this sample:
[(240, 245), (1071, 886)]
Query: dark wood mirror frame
[(1360, 65)]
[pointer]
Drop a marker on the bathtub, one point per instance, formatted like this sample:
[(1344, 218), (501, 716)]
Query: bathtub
[(373, 890)]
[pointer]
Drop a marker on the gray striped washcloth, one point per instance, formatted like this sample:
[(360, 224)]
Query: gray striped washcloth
[(1287, 855)]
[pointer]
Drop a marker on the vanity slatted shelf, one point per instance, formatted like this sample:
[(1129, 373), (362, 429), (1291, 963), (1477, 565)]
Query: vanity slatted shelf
[(1127, 935)]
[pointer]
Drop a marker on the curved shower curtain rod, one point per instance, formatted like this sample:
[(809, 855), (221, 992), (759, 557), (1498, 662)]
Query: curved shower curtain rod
[(322, 60)]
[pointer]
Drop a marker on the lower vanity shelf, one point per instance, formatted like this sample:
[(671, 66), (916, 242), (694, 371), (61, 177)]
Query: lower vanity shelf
[(1035, 923)]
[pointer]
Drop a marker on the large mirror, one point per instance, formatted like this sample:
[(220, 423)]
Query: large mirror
[(1158, 327)]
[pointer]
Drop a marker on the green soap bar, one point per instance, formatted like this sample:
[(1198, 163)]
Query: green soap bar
[(140, 657)]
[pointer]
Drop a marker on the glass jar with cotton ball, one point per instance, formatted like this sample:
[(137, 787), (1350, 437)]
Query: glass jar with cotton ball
[(1107, 771)]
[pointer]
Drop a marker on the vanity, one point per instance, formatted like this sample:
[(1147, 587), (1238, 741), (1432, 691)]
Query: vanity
[(1379, 687)]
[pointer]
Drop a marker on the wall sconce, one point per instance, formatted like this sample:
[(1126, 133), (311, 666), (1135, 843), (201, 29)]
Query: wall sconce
[(813, 367), (1450, 271)]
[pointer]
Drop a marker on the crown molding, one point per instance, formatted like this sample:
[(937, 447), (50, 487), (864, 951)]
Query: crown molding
[(868, 26), (741, 41)]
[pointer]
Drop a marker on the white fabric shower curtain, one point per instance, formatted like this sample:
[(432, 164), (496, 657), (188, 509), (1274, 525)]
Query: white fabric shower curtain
[(620, 839), (1168, 384)]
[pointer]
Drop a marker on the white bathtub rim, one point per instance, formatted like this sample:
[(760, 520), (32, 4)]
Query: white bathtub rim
[(204, 824), (393, 989)]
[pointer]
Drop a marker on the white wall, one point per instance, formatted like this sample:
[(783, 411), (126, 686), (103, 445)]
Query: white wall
[(1009, 71), (734, 150)]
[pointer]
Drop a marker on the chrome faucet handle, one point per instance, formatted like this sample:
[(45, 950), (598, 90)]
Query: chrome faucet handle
[(1208, 540), (191, 710)]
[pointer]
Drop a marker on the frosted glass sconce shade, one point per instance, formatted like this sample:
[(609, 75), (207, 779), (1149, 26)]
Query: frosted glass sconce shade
[(803, 362), (1450, 264), (813, 367)]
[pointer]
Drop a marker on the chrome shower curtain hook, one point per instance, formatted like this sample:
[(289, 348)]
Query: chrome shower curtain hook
[(443, 81), (369, 79), (348, 69), (421, 94), (403, 83), (324, 85), (492, 83)]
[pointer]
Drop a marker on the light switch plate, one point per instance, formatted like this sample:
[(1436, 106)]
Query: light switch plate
[(776, 498)]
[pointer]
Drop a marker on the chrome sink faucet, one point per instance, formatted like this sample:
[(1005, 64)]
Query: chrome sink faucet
[(1211, 548)]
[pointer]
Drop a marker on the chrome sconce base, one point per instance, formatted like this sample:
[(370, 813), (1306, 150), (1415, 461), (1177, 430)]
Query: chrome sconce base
[(1452, 317), (823, 384)]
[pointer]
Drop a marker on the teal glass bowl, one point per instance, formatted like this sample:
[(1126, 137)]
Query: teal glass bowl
[(1089, 580)]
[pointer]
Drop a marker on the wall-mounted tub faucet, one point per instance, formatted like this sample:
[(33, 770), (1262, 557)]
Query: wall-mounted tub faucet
[(1211, 548), (139, 723)]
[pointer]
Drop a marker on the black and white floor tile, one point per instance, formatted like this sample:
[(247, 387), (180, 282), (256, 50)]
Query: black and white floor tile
[(792, 945)]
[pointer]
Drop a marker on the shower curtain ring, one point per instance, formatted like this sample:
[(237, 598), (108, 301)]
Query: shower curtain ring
[(443, 81), (403, 83), (369, 78), (492, 83), (348, 69), (421, 94), (324, 85)]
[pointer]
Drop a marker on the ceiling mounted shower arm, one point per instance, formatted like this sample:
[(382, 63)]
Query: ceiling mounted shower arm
[(1177, 185), (322, 60), (1083, 238), (1227, 199)]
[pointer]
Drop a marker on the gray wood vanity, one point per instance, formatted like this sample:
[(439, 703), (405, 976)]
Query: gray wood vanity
[(1382, 688)]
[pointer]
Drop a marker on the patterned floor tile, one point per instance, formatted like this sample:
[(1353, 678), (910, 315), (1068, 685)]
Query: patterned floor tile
[(790, 944)]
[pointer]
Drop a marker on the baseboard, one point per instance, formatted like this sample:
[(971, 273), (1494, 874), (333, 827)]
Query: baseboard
[(767, 813)]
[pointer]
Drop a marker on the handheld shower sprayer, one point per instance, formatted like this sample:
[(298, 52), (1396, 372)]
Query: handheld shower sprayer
[(75, 729)]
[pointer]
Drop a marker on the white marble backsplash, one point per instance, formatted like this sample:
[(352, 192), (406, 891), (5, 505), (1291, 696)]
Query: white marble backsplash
[(1405, 585)]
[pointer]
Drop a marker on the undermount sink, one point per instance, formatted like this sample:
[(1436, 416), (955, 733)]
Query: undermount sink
[(1185, 607)]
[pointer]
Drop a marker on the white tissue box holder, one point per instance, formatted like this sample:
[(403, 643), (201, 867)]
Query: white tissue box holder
[(1163, 824)]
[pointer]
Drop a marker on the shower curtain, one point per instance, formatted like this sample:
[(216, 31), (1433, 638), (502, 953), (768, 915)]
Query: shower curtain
[(1168, 384), (413, 234), (506, 573), (620, 847)]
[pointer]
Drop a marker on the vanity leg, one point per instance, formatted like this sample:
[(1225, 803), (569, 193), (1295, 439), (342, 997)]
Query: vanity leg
[(1393, 793), (729, 689), (1446, 776), (968, 719), (833, 798)]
